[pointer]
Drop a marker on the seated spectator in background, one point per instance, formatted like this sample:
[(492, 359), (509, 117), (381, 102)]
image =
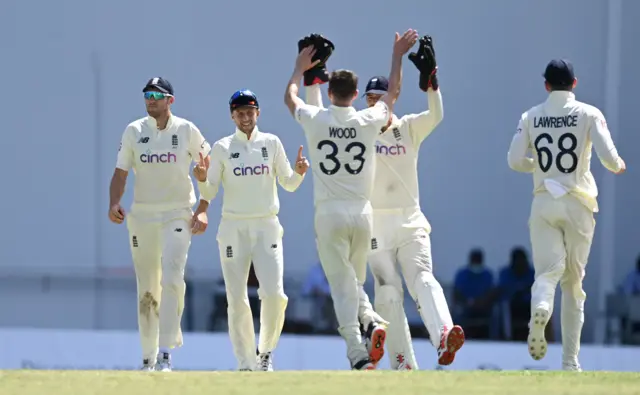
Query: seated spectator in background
[(631, 285), (317, 287), (514, 287), (473, 297)]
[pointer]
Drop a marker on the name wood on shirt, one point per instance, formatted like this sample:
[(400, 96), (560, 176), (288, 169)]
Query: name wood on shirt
[(567, 121), (342, 133)]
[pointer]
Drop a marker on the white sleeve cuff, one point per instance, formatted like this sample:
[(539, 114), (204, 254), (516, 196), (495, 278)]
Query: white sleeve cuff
[(203, 187)]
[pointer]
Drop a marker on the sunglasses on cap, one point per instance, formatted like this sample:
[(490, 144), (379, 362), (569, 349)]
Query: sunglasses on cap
[(156, 95)]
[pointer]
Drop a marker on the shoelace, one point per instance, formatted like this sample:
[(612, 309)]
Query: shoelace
[(264, 361)]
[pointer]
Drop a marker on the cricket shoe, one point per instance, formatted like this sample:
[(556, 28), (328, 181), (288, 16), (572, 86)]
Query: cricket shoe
[(403, 364), (536, 340), (450, 342), (147, 366), (374, 340), (163, 362), (571, 367), (364, 364), (265, 362)]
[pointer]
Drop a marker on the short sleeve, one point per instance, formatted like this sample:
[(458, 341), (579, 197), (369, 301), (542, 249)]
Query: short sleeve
[(125, 152), (197, 143), (377, 116)]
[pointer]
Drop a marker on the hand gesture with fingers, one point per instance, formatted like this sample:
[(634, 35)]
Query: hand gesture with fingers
[(116, 214), (200, 169), (403, 43), (301, 163), (305, 61)]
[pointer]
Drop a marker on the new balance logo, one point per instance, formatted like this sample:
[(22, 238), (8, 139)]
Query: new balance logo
[(374, 243), (229, 252), (143, 140), (134, 241), (274, 246), (234, 155), (178, 230)]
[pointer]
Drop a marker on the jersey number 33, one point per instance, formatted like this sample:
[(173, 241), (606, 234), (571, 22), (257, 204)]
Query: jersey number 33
[(331, 164)]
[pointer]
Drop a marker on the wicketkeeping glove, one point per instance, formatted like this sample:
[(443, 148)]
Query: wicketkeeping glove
[(317, 74), (425, 62)]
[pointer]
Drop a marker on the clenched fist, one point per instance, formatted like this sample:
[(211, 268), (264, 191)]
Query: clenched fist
[(116, 214), (199, 223)]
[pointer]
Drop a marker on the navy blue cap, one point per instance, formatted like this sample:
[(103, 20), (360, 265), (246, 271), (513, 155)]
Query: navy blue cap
[(559, 72), (377, 85), (159, 84), (243, 98)]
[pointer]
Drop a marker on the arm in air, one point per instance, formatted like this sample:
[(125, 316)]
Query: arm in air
[(604, 146), (314, 95), (289, 179), (520, 144), (421, 125), (380, 114), (304, 62)]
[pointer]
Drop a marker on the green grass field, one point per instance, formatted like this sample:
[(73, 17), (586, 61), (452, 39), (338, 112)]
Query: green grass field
[(317, 382)]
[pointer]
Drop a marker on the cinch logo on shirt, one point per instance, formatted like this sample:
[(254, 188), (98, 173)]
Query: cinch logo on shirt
[(148, 157), (251, 170), (390, 149)]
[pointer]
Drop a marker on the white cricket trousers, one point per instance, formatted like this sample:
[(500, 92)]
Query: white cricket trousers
[(561, 232), (242, 241), (343, 239), (401, 242), (159, 246)]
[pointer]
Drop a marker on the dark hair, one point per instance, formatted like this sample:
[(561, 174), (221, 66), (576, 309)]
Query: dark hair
[(476, 256), (556, 87), (343, 84), (518, 253)]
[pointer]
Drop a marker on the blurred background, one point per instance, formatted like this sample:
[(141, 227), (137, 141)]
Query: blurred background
[(74, 71)]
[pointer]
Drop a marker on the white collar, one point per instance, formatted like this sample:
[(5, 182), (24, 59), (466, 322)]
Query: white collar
[(561, 97), (154, 124), (243, 136), (344, 110)]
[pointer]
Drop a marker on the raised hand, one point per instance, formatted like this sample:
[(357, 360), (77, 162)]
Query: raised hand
[(302, 164), (305, 61), (201, 168), (403, 43)]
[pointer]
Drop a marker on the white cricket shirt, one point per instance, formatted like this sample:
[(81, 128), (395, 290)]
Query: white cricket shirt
[(560, 132), (342, 150), (161, 161), (396, 185), (247, 170)]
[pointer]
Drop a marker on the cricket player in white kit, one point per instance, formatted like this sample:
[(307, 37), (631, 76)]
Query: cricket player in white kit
[(159, 148), (400, 229), (342, 151), (247, 164), (560, 133)]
